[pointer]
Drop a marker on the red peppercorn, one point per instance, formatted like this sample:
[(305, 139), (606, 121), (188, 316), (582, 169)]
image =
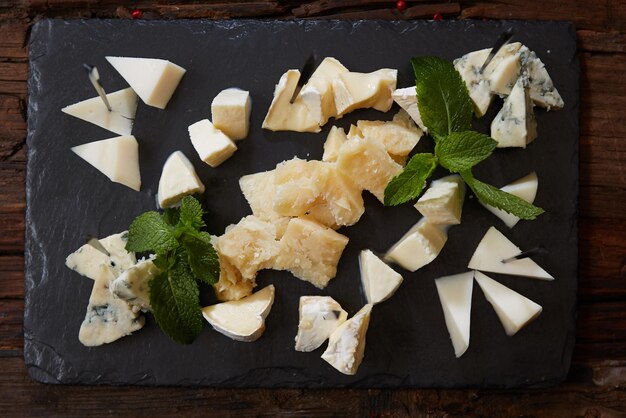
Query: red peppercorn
[(437, 16), (136, 14), (401, 5)]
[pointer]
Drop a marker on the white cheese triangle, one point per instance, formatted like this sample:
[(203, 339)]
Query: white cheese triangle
[(455, 294), (119, 120), (117, 158), (319, 317), (525, 188), (513, 309), (178, 179), (243, 319), (154, 80), (495, 247), (86, 260), (346, 345), (379, 280)]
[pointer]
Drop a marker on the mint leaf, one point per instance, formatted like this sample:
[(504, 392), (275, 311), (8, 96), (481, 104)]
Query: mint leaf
[(442, 97), (174, 298), (191, 213), (501, 200), (463, 150), (202, 256), (149, 232), (171, 216), (409, 183)]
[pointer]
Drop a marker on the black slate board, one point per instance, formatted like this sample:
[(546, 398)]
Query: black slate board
[(407, 341)]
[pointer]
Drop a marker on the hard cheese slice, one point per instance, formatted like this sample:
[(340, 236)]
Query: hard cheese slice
[(379, 280), (455, 294), (119, 120), (319, 317), (86, 260), (117, 158), (495, 247), (525, 188), (154, 80), (513, 309), (178, 179)]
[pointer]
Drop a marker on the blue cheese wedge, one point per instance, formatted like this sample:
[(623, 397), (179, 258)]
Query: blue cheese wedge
[(178, 179), (419, 246), (442, 203), (87, 260), (211, 144), (230, 112), (543, 93), (515, 124), (346, 345), (133, 285), (319, 318), (525, 188), (504, 69), (108, 318), (379, 280), (469, 66), (455, 295)]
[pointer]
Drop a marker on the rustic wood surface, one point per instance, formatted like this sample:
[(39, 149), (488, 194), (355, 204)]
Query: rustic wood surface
[(597, 381)]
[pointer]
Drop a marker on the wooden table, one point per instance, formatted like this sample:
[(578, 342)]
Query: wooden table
[(596, 385)]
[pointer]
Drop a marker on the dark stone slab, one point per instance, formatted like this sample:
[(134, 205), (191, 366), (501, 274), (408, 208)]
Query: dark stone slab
[(407, 342)]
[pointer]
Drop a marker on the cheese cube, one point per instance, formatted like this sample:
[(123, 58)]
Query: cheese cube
[(178, 179), (515, 124), (310, 251), (524, 188), (419, 246), (455, 295), (364, 90), (86, 260), (442, 203), (117, 158), (398, 139), (379, 280), (154, 80), (319, 318), (317, 93), (210, 143), (469, 66), (299, 184), (133, 285), (504, 69), (407, 100), (230, 112), (335, 139)]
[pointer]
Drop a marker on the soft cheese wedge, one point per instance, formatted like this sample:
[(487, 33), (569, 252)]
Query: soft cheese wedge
[(513, 309), (407, 100), (379, 280), (419, 246), (117, 158), (133, 285), (285, 116), (495, 247), (211, 144), (178, 179), (455, 294), (515, 124), (231, 285), (119, 120), (230, 112), (154, 80), (335, 139), (346, 345), (244, 319), (108, 318), (364, 90), (469, 66), (442, 203), (504, 69), (317, 93), (319, 317), (524, 188), (87, 260)]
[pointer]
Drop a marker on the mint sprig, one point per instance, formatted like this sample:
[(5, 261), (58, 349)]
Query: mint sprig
[(463, 150), (410, 182), (185, 256)]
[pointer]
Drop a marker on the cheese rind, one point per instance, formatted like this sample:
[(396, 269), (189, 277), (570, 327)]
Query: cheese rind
[(346, 345), (525, 188), (119, 120), (515, 124), (230, 113), (469, 66), (442, 203), (407, 100), (117, 158), (379, 280), (353, 90), (154, 80), (419, 246), (317, 93), (495, 247), (455, 295), (178, 179), (133, 285), (319, 317), (211, 144), (86, 260), (513, 309)]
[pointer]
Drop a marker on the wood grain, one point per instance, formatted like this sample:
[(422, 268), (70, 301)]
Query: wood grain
[(597, 381)]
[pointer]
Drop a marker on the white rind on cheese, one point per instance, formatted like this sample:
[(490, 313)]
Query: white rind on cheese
[(87, 260), (515, 124), (346, 345), (406, 98), (495, 247), (133, 285), (419, 246), (117, 158), (118, 120), (230, 113), (379, 280), (353, 90), (513, 309), (244, 319), (211, 144), (178, 179), (335, 139), (525, 188), (154, 80), (469, 66), (319, 317), (317, 93), (442, 203), (455, 295)]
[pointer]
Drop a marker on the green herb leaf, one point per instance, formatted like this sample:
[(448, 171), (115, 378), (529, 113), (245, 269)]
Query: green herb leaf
[(463, 150), (149, 232), (171, 216), (409, 183), (191, 213), (442, 97), (501, 200), (174, 298), (202, 256)]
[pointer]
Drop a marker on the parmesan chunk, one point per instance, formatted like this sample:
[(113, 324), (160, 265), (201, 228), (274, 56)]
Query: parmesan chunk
[(299, 184), (336, 138), (259, 191), (231, 285), (397, 136)]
